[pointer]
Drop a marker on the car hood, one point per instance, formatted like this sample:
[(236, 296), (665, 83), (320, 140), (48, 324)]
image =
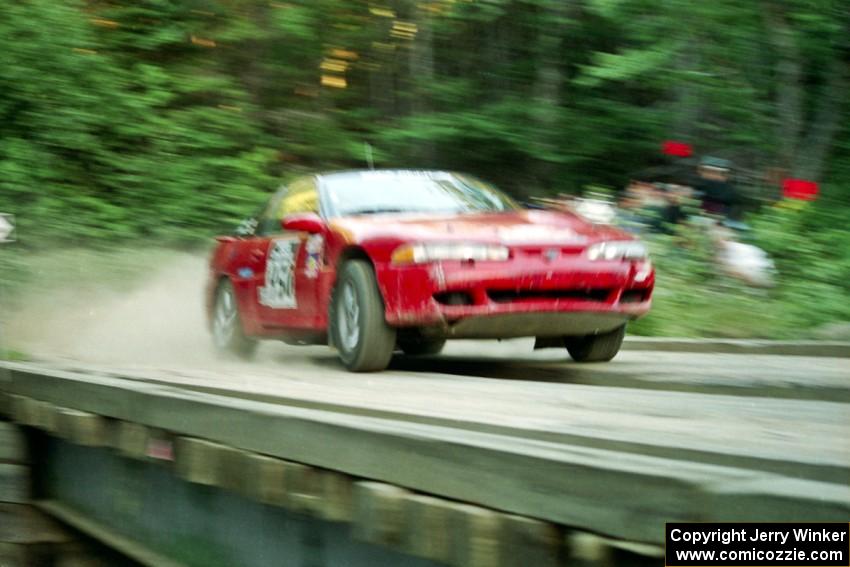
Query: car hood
[(526, 227)]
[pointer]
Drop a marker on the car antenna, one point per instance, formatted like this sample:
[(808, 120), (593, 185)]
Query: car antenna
[(367, 147)]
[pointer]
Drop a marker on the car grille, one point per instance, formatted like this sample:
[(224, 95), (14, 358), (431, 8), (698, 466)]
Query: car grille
[(598, 295), (550, 252), (635, 296), (454, 298)]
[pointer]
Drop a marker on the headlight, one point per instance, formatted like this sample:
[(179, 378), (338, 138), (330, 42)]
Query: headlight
[(436, 251), (624, 250)]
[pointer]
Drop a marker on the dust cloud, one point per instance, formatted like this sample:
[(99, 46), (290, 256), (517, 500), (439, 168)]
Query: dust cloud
[(92, 308), (157, 318)]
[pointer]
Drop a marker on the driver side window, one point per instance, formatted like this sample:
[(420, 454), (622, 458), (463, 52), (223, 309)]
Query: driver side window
[(301, 196), (268, 222)]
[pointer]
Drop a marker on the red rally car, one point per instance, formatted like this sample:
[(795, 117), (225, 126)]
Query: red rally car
[(374, 261)]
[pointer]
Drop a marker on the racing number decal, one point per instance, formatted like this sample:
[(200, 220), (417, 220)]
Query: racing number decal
[(279, 291)]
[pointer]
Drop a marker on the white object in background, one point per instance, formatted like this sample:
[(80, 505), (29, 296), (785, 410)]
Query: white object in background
[(595, 210), (747, 262), (7, 228)]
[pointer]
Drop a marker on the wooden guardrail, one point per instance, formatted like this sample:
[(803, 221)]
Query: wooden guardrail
[(397, 481)]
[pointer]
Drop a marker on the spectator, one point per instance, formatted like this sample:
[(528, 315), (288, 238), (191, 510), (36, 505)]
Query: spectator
[(715, 185), (674, 212)]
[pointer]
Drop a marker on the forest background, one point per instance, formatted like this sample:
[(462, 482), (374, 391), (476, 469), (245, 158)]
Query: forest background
[(128, 125)]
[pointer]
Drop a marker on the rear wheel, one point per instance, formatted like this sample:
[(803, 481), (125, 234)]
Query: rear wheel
[(228, 336), (421, 347), (358, 328), (596, 348)]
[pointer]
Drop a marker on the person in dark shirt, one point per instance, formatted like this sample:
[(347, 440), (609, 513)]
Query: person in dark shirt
[(714, 183), (674, 212)]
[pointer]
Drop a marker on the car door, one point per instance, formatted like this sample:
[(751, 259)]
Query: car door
[(286, 295), (246, 261)]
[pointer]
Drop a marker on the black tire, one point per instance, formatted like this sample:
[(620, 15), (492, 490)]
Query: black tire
[(596, 348), (372, 347), (232, 341), (421, 347)]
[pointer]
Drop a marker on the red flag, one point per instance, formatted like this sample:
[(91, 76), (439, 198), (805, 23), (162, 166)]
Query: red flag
[(801, 189), (676, 148)]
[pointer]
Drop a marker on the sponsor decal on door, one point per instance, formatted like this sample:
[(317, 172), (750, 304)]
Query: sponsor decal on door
[(279, 289)]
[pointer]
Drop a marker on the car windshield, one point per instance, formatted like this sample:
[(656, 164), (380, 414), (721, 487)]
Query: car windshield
[(376, 192)]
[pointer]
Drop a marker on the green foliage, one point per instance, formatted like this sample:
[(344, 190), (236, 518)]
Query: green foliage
[(171, 118), (106, 138), (168, 120), (811, 248)]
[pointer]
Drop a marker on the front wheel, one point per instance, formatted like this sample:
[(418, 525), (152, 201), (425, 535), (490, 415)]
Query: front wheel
[(228, 336), (358, 328), (596, 348)]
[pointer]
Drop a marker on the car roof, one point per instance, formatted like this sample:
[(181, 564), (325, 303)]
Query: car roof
[(430, 173)]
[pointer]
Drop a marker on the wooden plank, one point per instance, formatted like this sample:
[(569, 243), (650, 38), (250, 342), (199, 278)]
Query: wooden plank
[(15, 555), (476, 534), (269, 479), (800, 438), (337, 497), (131, 439), (574, 486), (839, 349), (13, 446), (428, 530), (531, 542), (199, 461), (5, 405), (82, 427), (107, 536), (379, 511), (23, 524), (14, 483)]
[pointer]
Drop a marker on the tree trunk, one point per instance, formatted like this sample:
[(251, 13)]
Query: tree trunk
[(811, 158), (789, 91), (422, 79), (547, 91)]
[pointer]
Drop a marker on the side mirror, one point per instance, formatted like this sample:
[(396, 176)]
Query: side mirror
[(303, 222)]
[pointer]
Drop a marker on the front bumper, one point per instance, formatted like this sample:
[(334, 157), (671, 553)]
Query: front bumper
[(520, 297)]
